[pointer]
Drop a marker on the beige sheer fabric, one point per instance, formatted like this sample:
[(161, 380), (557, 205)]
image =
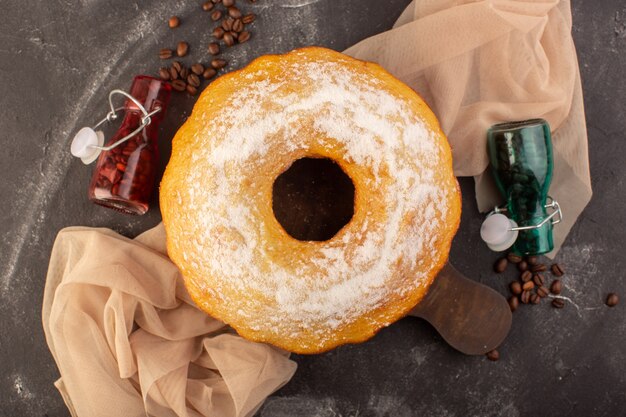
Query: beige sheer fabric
[(128, 341), (482, 62)]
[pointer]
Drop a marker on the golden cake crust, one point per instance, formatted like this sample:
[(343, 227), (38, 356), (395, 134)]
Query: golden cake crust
[(238, 263)]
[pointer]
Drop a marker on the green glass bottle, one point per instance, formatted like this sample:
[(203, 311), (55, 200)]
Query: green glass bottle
[(521, 160)]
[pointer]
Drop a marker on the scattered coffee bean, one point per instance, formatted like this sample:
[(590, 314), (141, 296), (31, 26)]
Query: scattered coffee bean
[(526, 276), (193, 80), (218, 32), (244, 36), (164, 74), (227, 24), (182, 48), (538, 268), (165, 53), (535, 299), (216, 15), (612, 300), (525, 297), (238, 25), (214, 48), (528, 286), (234, 12), (228, 3), (555, 288), (209, 73), (184, 72), (229, 40), (174, 75), (174, 22), (558, 303), (177, 66), (557, 270), (532, 260), (522, 266), (500, 265), (493, 355), (542, 292), (538, 279), (514, 258), (192, 90), (179, 85), (516, 287), (249, 18), (197, 69), (207, 6), (218, 63), (513, 303)]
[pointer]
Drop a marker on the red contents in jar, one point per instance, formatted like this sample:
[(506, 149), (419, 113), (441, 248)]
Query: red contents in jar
[(124, 176)]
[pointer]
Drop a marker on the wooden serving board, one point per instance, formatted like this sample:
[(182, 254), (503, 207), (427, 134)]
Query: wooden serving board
[(471, 317), (314, 198)]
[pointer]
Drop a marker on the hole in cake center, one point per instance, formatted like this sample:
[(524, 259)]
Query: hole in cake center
[(313, 199)]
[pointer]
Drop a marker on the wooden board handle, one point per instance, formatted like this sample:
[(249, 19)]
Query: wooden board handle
[(471, 317)]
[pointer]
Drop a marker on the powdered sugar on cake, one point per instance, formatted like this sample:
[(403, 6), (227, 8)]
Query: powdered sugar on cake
[(370, 127)]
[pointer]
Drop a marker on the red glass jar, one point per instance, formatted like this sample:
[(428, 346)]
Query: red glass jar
[(124, 176)]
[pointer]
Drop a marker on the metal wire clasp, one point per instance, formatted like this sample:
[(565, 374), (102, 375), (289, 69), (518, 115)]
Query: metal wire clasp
[(112, 115), (556, 216)]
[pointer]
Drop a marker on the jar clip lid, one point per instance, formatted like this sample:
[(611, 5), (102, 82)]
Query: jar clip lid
[(88, 142)]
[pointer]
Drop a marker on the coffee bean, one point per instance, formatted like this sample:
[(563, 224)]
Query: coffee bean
[(227, 24), (207, 6), (538, 279), (218, 32), (249, 18), (516, 287), (164, 74), (558, 303), (182, 48), (500, 265), (184, 72), (229, 40), (542, 292), (174, 75), (513, 303), (174, 22), (493, 355), (218, 63), (557, 270), (528, 286), (179, 85), (192, 90), (526, 276), (165, 53), (514, 258), (538, 268), (216, 1), (535, 299), (522, 266), (234, 12), (612, 300), (244, 36), (216, 15), (209, 73), (525, 297), (555, 288), (214, 48), (532, 260), (193, 80), (197, 69), (177, 65), (228, 3), (238, 25)]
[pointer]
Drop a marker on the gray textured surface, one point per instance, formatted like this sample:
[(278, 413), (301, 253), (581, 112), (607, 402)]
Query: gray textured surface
[(58, 60)]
